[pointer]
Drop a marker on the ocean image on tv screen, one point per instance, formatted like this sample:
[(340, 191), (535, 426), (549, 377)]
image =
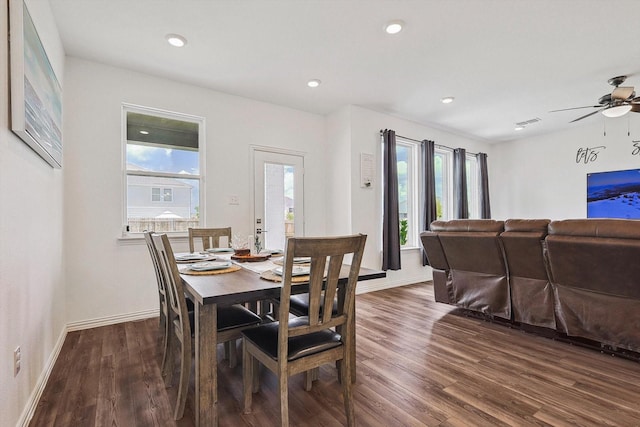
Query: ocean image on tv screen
[(614, 194)]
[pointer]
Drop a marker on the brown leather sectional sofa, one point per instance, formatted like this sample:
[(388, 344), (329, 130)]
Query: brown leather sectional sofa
[(579, 278)]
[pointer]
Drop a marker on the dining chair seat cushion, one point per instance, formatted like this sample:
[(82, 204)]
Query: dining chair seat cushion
[(300, 305), (266, 337), (234, 316)]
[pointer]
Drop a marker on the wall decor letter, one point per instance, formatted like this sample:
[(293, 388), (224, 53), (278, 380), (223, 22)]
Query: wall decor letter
[(588, 154)]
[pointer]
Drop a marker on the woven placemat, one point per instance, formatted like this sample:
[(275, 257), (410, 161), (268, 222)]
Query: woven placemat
[(273, 277), (210, 272)]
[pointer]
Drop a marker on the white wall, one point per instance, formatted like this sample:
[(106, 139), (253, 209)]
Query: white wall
[(539, 177), (363, 127), (32, 309), (108, 278), (338, 192)]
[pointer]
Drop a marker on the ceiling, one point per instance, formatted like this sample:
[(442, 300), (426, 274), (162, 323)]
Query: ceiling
[(504, 61)]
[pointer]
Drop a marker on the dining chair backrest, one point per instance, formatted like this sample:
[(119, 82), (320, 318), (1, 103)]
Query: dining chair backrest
[(210, 237), (327, 257), (162, 292), (175, 288)]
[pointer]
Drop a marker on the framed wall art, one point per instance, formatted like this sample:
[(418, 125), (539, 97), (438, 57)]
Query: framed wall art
[(36, 96)]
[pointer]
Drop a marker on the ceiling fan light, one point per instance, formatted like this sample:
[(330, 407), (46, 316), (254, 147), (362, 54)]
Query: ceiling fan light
[(617, 110)]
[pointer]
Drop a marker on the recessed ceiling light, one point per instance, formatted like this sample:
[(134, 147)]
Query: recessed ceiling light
[(519, 128), (144, 132), (447, 100), (176, 40), (394, 27), (314, 83)]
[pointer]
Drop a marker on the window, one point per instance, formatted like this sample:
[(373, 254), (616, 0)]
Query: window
[(473, 186), (443, 163), (161, 194), (444, 184), (163, 163), (408, 190)]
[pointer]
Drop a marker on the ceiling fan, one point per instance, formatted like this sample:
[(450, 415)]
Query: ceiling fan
[(615, 104)]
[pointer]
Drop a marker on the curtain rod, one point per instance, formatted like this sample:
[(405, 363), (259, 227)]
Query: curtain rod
[(420, 142)]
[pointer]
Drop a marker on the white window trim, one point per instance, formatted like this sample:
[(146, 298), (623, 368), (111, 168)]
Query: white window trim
[(473, 186), (126, 107), (414, 208), (447, 182)]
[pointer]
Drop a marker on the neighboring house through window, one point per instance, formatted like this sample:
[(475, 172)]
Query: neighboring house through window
[(163, 166)]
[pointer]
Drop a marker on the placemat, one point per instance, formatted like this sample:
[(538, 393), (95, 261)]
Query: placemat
[(210, 272), (273, 277)]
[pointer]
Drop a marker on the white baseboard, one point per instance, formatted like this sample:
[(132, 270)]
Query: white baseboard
[(112, 320), (32, 403)]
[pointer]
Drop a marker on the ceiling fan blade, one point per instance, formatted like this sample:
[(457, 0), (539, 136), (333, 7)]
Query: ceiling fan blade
[(624, 92), (576, 108), (586, 115)]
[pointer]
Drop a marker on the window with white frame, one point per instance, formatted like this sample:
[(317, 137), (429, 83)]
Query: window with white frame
[(408, 191), (473, 186), (443, 167), (161, 194), (164, 160)]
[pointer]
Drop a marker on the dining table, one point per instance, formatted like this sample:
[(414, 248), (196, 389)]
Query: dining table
[(242, 286)]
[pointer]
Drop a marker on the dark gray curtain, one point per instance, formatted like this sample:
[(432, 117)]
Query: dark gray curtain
[(390, 218), (461, 203), (485, 207), (429, 177)]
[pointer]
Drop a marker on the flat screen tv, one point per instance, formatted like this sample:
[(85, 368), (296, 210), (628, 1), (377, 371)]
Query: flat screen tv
[(614, 194)]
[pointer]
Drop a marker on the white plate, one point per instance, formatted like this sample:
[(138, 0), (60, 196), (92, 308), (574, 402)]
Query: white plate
[(297, 271), (210, 265), (217, 250), (191, 257), (274, 251)]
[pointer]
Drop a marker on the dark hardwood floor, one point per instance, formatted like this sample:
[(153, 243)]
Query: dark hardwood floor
[(418, 364)]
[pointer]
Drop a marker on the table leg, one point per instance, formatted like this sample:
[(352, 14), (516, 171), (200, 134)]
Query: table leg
[(206, 387), (352, 325)]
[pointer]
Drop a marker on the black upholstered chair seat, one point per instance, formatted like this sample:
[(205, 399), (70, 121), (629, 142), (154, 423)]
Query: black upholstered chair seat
[(299, 305), (266, 337), (231, 317)]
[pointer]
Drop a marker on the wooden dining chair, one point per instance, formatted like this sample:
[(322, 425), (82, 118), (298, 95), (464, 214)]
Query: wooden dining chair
[(288, 347), (163, 299), (231, 321), (210, 237)]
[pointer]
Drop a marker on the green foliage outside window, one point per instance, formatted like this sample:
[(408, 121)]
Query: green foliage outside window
[(403, 231)]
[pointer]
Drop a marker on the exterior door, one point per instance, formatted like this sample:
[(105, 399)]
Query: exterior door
[(278, 197)]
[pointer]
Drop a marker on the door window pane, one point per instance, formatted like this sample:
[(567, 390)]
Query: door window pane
[(279, 204)]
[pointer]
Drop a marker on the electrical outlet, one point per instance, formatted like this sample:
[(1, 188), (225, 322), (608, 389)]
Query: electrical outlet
[(17, 356), (233, 200)]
